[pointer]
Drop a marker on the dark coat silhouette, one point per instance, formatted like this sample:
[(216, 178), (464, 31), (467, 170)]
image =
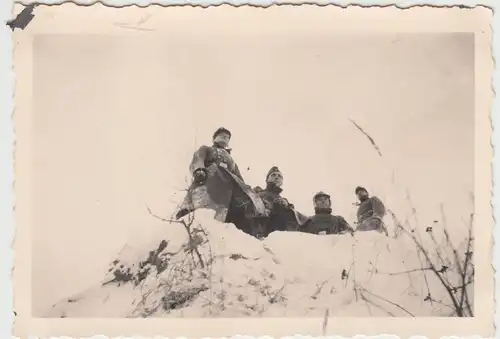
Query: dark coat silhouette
[(370, 214), (324, 221), (282, 215), (223, 190)]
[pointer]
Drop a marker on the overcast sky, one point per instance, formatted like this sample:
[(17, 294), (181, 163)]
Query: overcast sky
[(117, 120)]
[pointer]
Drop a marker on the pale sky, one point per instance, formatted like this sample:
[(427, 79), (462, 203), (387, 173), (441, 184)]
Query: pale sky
[(117, 119)]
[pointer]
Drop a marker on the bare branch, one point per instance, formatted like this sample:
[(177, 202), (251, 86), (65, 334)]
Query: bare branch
[(192, 246), (436, 272), (370, 302), (387, 301), (460, 301), (163, 219), (442, 303), (468, 256), (319, 288), (353, 265), (367, 135), (325, 321), (462, 269), (406, 272)]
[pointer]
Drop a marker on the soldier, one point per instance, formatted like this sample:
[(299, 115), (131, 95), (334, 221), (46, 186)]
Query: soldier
[(282, 214), (371, 212), (272, 193), (219, 153), (219, 185), (323, 222)]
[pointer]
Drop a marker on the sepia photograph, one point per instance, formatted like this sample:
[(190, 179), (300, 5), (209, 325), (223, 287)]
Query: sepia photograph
[(285, 170)]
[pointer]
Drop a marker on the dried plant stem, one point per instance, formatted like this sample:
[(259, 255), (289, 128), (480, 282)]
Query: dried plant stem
[(388, 301), (192, 245)]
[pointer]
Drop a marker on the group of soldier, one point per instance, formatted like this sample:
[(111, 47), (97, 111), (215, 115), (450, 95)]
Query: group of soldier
[(219, 185)]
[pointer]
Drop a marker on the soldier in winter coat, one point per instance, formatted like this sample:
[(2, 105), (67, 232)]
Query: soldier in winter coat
[(281, 213), (371, 212), (219, 185), (323, 222)]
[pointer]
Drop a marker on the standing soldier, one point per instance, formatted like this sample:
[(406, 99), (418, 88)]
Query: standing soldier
[(371, 212), (219, 185), (323, 222)]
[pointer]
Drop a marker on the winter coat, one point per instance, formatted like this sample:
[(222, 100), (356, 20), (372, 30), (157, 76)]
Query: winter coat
[(224, 190), (271, 196), (324, 221), (282, 214), (208, 155), (373, 224), (370, 208), (370, 215)]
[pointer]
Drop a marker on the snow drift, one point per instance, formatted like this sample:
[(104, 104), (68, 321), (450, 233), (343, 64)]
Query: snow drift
[(218, 271)]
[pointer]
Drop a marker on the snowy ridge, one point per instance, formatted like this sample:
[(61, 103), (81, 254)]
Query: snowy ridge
[(223, 272)]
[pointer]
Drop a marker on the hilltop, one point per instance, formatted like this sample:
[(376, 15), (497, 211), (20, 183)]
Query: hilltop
[(219, 271)]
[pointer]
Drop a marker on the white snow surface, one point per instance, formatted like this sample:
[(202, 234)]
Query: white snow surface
[(287, 274)]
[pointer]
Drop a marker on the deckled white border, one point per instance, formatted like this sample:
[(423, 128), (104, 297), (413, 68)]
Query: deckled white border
[(6, 174), (403, 4), (7, 137)]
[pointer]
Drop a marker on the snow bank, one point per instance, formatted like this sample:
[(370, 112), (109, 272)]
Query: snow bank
[(222, 272)]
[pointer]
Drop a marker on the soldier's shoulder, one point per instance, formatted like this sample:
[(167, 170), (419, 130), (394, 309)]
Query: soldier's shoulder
[(309, 220), (338, 218), (203, 148)]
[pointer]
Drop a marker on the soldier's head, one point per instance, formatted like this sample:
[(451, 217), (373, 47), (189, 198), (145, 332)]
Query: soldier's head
[(274, 177), (361, 193), (322, 200), (222, 137)]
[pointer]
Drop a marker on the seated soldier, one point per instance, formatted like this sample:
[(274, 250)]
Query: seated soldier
[(323, 222), (281, 213)]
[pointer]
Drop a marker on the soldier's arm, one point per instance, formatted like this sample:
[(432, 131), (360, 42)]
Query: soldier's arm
[(257, 189), (284, 201), (307, 227), (237, 172), (260, 192), (198, 161), (344, 225), (378, 207)]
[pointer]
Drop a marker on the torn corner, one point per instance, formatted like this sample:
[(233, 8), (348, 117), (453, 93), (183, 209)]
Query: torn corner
[(22, 19)]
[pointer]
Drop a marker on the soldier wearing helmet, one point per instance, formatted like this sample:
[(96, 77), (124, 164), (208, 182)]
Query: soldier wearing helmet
[(323, 221)]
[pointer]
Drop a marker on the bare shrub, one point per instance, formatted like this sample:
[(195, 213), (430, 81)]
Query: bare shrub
[(453, 268), (451, 265)]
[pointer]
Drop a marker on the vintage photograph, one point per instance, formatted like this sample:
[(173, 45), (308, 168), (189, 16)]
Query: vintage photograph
[(309, 207), (284, 172)]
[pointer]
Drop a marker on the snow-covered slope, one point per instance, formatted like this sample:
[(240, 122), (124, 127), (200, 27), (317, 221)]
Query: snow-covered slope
[(231, 274)]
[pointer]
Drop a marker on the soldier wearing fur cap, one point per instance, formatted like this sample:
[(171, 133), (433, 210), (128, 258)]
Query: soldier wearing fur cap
[(219, 185), (282, 214), (371, 211), (323, 222)]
